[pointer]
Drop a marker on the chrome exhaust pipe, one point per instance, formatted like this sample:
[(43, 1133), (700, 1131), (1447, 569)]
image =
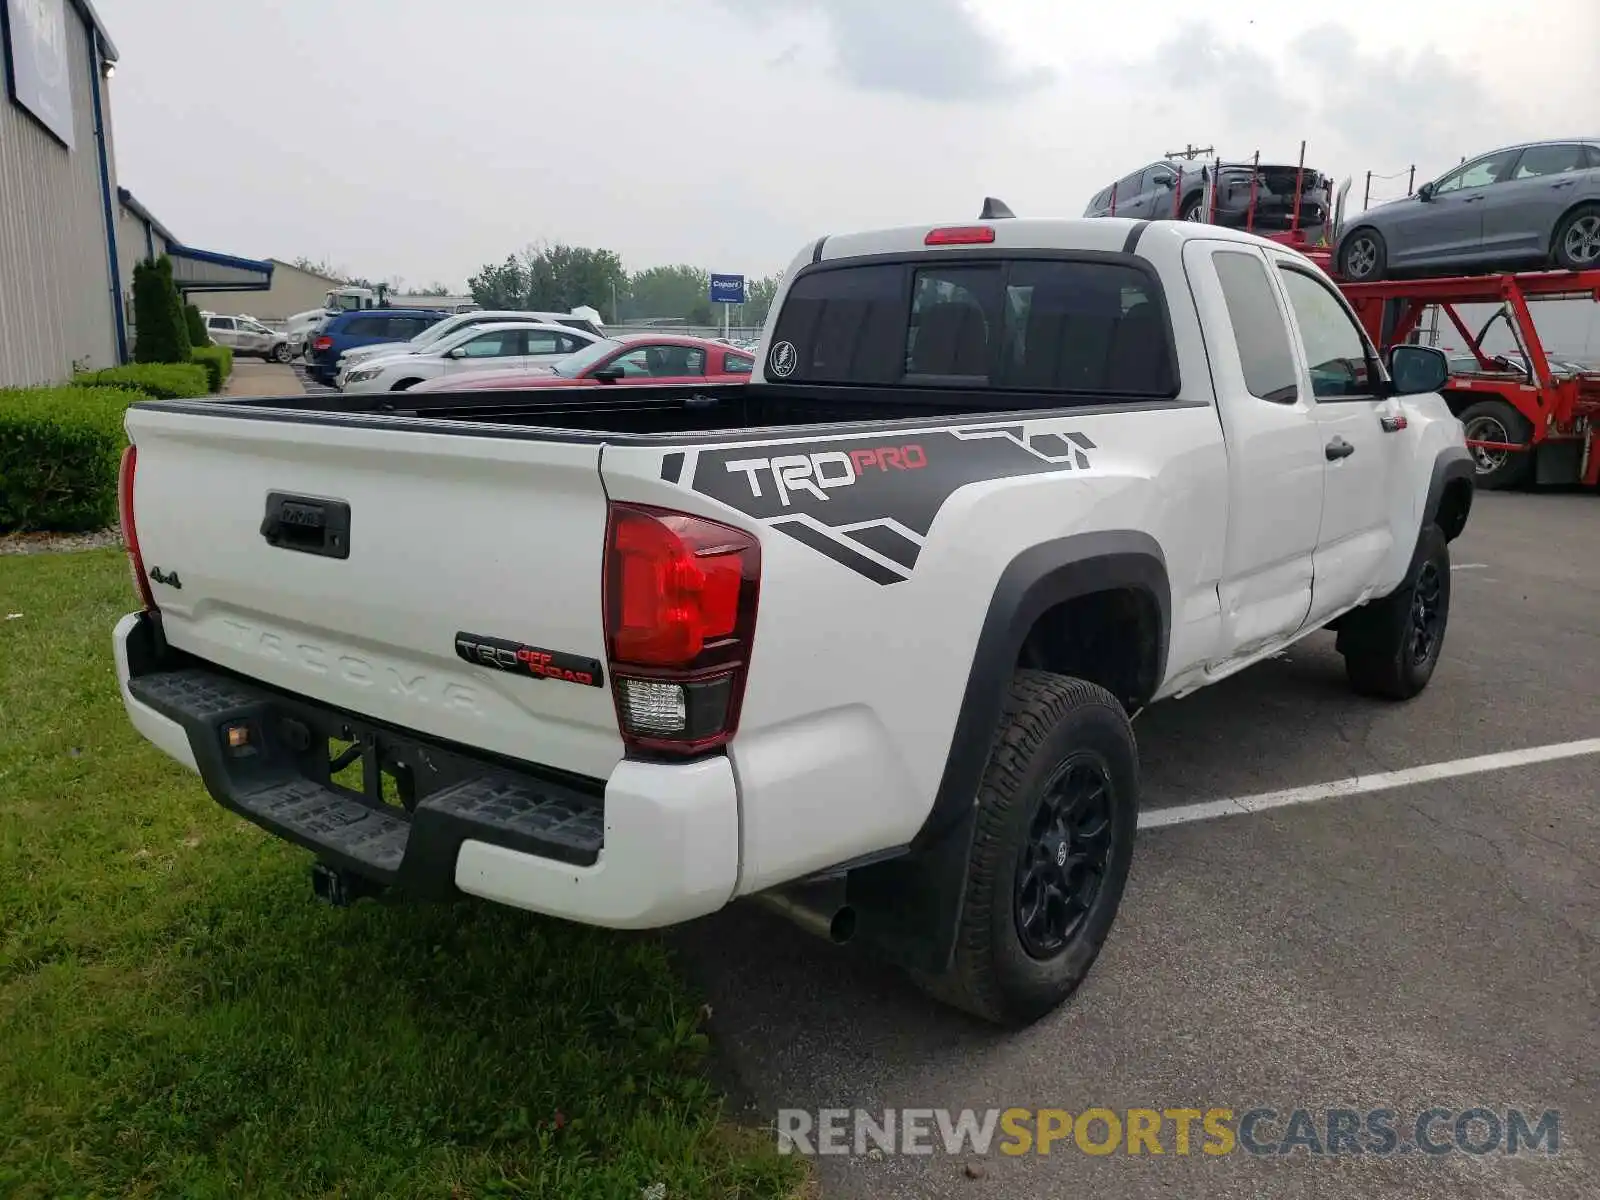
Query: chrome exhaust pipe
[(818, 908)]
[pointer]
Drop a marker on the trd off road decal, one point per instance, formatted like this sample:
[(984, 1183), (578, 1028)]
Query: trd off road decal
[(868, 503)]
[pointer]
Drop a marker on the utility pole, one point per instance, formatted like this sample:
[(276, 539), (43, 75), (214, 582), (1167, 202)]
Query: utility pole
[(1191, 152)]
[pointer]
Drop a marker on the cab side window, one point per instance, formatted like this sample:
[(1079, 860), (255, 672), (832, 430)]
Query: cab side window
[(1341, 365), (1259, 329)]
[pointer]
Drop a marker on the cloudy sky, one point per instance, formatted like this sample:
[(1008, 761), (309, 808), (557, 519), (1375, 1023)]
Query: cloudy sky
[(421, 139)]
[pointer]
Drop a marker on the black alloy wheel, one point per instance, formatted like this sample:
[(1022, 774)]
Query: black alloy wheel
[(1427, 613), (1064, 861)]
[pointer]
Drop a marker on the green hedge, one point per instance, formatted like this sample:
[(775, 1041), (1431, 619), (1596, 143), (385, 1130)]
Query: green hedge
[(60, 448), (161, 331), (159, 381), (218, 362), (196, 324)]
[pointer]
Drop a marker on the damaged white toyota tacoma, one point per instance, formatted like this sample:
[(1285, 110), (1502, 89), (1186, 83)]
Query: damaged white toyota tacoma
[(860, 637)]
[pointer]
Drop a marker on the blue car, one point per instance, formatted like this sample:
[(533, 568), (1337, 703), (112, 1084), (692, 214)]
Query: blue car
[(362, 328)]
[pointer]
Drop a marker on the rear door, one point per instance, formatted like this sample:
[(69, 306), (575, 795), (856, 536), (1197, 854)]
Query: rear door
[(222, 332), (361, 331), (1520, 212), (1367, 489), (1275, 463), (451, 538), (541, 347), (404, 328), (254, 338)]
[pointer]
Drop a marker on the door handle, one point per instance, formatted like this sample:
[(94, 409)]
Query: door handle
[(1337, 449), (1472, 199)]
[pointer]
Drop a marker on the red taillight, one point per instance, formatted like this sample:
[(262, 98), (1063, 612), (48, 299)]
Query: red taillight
[(130, 531), (960, 235), (322, 343), (680, 604)]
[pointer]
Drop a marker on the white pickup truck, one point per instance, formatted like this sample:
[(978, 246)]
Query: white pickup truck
[(860, 637)]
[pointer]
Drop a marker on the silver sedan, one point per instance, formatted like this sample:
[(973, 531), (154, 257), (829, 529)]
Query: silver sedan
[(1531, 206)]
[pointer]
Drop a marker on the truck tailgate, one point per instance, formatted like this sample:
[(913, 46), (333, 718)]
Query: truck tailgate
[(460, 552)]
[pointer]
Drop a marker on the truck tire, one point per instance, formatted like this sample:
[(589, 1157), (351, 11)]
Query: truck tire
[(1053, 841), (1497, 421), (1391, 646)]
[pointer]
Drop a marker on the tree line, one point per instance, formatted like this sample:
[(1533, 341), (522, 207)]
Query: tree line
[(395, 285), (559, 278)]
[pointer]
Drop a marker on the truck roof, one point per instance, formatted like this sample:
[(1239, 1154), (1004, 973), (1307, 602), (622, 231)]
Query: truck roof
[(1108, 234)]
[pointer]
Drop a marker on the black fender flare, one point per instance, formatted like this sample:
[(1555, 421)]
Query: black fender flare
[(908, 906), (1451, 463)]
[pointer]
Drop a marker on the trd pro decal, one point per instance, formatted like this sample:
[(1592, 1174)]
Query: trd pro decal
[(518, 659), (880, 493)]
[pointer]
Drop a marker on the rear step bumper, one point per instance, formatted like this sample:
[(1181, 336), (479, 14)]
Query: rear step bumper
[(653, 845)]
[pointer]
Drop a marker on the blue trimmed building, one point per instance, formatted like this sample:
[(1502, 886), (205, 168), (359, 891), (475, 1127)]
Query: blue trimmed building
[(69, 236)]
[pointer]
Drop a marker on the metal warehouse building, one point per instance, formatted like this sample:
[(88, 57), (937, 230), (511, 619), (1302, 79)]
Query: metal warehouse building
[(68, 235), (294, 290)]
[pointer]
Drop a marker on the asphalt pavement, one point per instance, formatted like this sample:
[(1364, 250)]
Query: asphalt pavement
[(1435, 945)]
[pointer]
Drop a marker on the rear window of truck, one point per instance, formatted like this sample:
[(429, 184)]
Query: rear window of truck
[(1055, 325)]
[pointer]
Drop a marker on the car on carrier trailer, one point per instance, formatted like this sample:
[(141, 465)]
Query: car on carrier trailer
[(861, 637)]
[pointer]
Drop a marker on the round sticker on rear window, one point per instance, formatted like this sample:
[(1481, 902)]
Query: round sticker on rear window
[(783, 359)]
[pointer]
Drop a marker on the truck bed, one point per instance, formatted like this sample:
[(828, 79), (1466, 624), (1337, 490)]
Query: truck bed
[(606, 414)]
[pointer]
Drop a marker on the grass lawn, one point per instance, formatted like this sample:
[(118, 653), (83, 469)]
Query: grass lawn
[(178, 1017)]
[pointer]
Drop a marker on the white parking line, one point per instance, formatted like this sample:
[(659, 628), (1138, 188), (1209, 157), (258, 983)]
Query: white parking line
[(1359, 784), (1469, 566)]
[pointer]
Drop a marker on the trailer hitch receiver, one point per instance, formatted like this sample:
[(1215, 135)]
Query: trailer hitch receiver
[(341, 888)]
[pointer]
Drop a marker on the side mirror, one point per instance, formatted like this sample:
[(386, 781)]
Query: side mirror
[(1165, 182), (607, 374), (1425, 192), (1417, 369), (458, 352)]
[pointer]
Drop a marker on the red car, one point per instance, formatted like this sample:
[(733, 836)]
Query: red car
[(637, 358)]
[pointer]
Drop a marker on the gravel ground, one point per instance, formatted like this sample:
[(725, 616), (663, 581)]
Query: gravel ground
[(49, 543)]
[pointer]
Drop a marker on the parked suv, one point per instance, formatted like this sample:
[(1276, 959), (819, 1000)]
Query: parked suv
[(1177, 188), (362, 328), (1531, 205), (248, 336)]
